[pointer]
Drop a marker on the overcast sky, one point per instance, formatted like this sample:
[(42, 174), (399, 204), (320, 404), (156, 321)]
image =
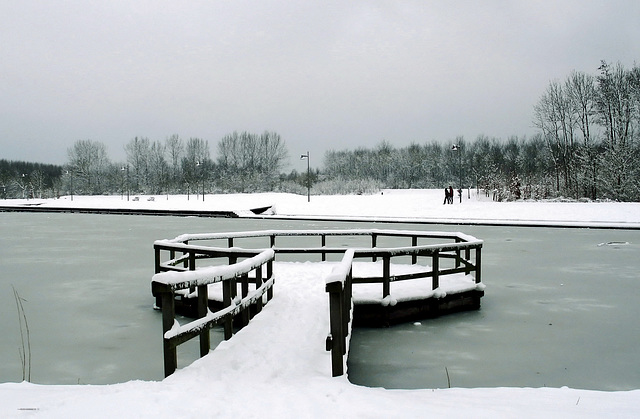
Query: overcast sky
[(323, 74)]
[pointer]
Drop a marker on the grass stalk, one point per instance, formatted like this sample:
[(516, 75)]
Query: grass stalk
[(25, 337)]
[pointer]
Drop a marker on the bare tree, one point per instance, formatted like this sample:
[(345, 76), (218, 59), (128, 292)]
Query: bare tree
[(138, 151), (555, 118), (175, 150), (616, 111), (251, 162), (158, 168), (87, 164)]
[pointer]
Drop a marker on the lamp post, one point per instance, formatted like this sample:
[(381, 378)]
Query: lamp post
[(302, 157), (457, 148), (71, 181), (26, 186), (198, 164), (126, 169)]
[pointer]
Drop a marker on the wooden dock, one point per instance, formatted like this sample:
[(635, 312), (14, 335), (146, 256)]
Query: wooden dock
[(451, 282)]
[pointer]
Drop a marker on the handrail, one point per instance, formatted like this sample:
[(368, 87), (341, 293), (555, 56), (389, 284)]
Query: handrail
[(166, 282), (339, 287)]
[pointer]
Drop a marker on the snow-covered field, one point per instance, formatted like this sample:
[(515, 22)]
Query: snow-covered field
[(403, 205), (268, 370)]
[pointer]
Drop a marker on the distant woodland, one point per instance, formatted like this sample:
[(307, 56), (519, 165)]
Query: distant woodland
[(587, 147)]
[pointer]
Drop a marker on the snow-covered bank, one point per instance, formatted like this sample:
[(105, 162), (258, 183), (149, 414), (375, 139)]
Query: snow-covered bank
[(271, 372), (391, 204)]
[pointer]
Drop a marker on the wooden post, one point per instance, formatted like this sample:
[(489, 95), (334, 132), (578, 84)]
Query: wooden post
[(436, 270), (203, 308), (467, 256), (185, 263), (258, 285), (457, 254), (226, 302), (192, 266), (169, 349), (414, 243), (269, 276), (386, 276), (478, 264), (245, 314), (346, 309), (335, 318), (324, 244), (374, 243), (157, 269), (244, 285), (157, 260)]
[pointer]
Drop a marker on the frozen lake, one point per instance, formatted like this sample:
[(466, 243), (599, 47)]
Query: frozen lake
[(560, 306)]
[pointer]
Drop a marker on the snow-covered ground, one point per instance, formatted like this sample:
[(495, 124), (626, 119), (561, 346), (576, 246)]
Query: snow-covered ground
[(269, 370), (390, 204)]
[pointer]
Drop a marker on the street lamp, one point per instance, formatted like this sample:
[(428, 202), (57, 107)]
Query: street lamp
[(126, 169), (457, 148), (71, 179), (302, 157), (198, 164), (26, 186)]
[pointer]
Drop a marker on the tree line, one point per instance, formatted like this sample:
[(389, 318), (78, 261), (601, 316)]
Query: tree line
[(587, 147), (246, 162)]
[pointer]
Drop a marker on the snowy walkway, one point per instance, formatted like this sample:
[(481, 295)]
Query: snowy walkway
[(277, 367)]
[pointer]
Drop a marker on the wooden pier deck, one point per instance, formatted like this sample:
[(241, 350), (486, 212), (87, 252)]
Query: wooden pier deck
[(452, 282)]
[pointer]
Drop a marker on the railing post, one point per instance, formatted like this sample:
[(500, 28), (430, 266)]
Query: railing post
[(185, 263), (478, 264), (324, 244), (203, 309), (436, 270), (169, 349), (386, 276), (336, 342), (226, 302), (245, 316), (244, 285), (414, 256), (346, 310), (457, 253), (192, 265), (259, 282), (269, 276), (157, 259), (374, 243), (467, 256)]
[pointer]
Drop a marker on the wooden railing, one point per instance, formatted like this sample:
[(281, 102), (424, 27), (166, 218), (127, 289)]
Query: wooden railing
[(339, 287), (462, 250), (171, 278)]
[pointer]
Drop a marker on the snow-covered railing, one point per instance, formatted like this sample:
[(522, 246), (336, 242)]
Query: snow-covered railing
[(454, 246), (168, 281), (338, 285), (462, 250)]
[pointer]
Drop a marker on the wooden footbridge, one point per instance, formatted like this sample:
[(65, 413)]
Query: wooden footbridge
[(227, 278)]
